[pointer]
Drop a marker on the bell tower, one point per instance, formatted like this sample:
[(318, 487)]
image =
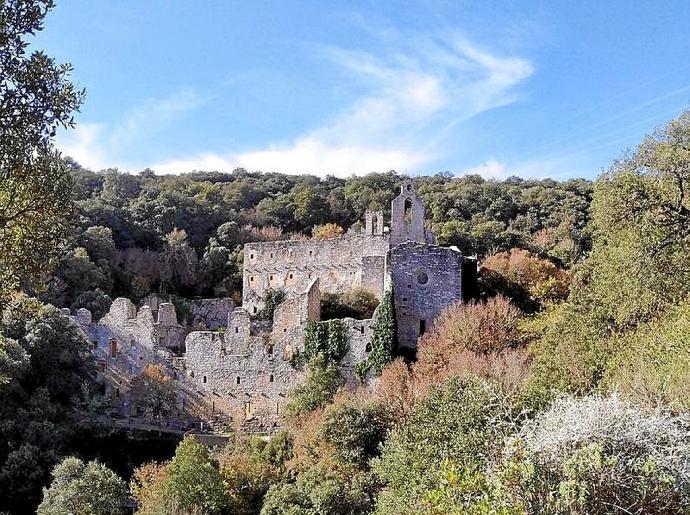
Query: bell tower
[(407, 216)]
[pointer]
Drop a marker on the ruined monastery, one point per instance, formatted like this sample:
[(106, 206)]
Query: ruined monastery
[(234, 370)]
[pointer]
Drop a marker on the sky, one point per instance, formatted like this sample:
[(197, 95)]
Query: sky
[(534, 89)]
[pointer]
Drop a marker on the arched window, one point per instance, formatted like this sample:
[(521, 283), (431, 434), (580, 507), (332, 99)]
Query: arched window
[(204, 379), (238, 379), (408, 211)]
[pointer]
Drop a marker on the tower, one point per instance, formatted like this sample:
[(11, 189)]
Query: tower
[(407, 216), (373, 223)]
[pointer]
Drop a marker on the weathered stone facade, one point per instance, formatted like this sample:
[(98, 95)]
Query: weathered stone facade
[(353, 260), (240, 366)]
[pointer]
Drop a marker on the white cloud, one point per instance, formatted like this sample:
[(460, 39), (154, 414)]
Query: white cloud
[(84, 145), (98, 146), (415, 89), (491, 169)]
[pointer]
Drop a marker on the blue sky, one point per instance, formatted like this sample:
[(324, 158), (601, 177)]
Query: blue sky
[(536, 89)]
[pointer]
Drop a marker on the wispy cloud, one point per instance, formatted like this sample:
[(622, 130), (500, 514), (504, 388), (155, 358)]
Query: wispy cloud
[(414, 90), (98, 146)]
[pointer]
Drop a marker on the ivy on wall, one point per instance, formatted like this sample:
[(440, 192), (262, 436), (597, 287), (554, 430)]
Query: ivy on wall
[(328, 339), (383, 341)]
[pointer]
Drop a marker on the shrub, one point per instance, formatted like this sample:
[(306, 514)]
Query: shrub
[(355, 431), (326, 231), (464, 421), (272, 299), (358, 303), (323, 381), (600, 455), (530, 282), (478, 328)]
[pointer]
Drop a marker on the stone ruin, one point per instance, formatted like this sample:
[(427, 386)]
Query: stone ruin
[(232, 369)]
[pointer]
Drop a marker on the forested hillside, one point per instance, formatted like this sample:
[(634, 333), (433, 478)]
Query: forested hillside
[(183, 234)]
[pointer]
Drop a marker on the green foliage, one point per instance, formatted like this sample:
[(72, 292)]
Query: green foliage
[(383, 341), (357, 303), (653, 362), (327, 339), (221, 211), (153, 391), (84, 489), (464, 420), (318, 491), (599, 455), (194, 481), (272, 299), (36, 98), (322, 383), (97, 302), (636, 272), (356, 432), (45, 363), (460, 490)]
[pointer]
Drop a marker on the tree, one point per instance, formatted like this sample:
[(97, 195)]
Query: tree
[(153, 391), (88, 489), (321, 385), (178, 263), (46, 364), (36, 98), (462, 420), (193, 479), (530, 282)]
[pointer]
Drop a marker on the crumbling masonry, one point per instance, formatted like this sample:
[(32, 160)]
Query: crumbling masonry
[(233, 368)]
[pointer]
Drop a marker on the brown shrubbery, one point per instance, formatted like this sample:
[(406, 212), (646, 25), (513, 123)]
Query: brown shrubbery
[(530, 282)]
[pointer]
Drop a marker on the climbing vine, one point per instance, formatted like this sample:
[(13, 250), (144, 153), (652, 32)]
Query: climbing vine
[(383, 341), (328, 339)]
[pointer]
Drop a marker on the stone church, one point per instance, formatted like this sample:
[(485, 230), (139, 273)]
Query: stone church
[(238, 369)]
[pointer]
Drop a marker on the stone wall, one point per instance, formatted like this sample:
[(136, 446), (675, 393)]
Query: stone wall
[(426, 280), (338, 263), (209, 314), (247, 370)]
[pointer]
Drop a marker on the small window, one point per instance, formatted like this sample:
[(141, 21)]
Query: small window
[(270, 378), (404, 299), (422, 327), (255, 310), (251, 279), (269, 350), (277, 408), (251, 256), (285, 329), (290, 276), (117, 392), (238, 379), (204, 379), (271, 254), (237, 330), (113, 348), (270, 277), (368, 347), (409, 187), (191, 374), (362, 329), (311, 253)]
